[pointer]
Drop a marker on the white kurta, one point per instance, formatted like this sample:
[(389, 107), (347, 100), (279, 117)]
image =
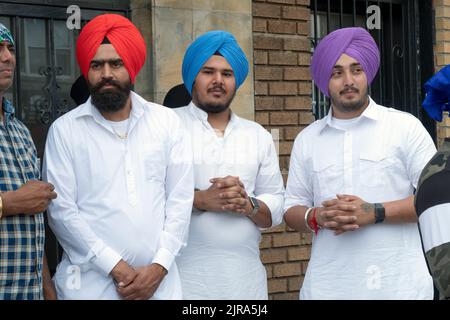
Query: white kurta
[(221, 259), (127, 199), (378, 158)]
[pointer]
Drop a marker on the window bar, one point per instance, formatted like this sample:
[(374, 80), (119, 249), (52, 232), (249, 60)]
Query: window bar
[(415, 55), (315, 23), (15, 25), (354, 13), (391, 35), (318, 106), (406, 97), (51, 61), (366, 14), (381, 97), (328, 16)]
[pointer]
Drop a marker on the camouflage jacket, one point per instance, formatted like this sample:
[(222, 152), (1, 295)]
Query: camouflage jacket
[(434, 189)]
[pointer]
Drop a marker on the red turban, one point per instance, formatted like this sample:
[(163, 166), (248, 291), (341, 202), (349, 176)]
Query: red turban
[(121, 33)]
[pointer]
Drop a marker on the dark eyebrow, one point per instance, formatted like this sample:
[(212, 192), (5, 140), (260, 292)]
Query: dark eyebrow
[(356, 64), (211, 69), (106, 61), (7, 44)]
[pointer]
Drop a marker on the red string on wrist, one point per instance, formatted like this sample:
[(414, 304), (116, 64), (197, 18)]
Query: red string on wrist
[(315, 225)]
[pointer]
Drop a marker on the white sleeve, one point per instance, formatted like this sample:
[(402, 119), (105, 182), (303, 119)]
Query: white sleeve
[(179, 198), (420, 149), (298, 188), (76, 237), (269, 182)]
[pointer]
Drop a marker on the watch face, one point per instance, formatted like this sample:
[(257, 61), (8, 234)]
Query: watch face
[(379, 213)]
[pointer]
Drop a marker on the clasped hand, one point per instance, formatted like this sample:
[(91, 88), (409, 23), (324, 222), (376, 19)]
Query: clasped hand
[(344, 213), (224, 194)]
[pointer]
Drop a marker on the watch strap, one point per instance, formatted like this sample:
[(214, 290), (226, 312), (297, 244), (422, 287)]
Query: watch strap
[(255, 205), (380, 213)]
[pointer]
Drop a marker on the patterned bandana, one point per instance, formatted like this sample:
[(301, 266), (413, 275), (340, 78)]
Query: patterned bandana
[(5, 35)]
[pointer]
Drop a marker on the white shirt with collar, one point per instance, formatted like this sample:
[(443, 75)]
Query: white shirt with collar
[(127, 199), (377, 157), (221, 259)]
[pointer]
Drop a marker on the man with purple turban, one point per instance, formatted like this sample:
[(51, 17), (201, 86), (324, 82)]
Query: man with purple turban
[(351, 182), (239, 188), (123, 172)]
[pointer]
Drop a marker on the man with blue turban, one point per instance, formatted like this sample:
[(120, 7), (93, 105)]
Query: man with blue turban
[(433, 192), (238, 184), (362, 249), (24, 271)]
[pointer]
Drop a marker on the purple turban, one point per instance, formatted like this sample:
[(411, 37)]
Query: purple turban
[(355, 42)]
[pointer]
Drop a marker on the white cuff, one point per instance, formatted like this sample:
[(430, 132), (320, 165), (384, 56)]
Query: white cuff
[(106, 260), (164, 258)]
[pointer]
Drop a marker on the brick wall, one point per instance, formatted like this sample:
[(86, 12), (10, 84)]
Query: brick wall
[(283, 102), (442, 53)]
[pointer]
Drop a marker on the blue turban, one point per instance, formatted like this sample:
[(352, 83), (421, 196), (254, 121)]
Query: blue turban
[(204, 47), (438, 94), (5, 35)]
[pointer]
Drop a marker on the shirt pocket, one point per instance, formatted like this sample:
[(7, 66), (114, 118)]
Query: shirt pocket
[(247, 174), (155, 162), (327, 177), (375, 168)]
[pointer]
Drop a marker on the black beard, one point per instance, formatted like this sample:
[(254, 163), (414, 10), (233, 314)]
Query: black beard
[(110, 100)]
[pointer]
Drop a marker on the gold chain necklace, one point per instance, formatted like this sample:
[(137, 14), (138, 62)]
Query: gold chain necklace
[(122, 136)]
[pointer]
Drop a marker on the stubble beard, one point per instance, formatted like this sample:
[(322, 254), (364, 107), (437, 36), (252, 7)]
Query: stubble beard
[(210, 107), (350, 106)]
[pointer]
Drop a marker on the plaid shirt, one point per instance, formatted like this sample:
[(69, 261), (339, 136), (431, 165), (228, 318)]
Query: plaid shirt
[(22, 236)]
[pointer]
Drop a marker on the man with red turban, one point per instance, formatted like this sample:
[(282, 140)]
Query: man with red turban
[(123, 172), (362, 249)]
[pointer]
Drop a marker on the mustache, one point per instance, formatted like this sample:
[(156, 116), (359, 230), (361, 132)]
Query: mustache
[(7, 67), (349, 89), (217, 88), (106, 82)]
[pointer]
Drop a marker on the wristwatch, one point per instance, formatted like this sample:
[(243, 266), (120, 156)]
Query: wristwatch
[(255, 205), (380, 212)]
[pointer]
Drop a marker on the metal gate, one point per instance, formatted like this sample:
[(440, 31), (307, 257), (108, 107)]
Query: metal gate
[(405, 39), (46, 68)]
